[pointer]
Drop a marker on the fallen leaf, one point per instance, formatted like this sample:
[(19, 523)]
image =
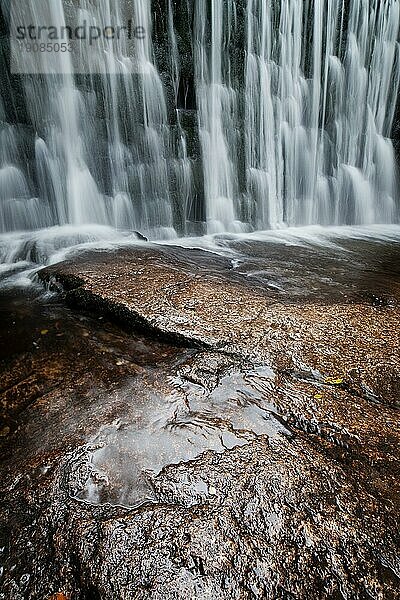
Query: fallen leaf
[(317, 396), (44, 332), (334, 380)]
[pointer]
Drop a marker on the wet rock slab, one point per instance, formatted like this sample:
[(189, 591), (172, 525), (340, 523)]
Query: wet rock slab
[(347, 327), (244, 444)]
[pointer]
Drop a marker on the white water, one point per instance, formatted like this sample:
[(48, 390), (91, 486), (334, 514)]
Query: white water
[(323, 111), (298, 134), (86, 168), (217, 102)]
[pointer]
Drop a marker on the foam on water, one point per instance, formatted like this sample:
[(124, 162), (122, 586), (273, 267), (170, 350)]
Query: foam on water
[(22, 254)]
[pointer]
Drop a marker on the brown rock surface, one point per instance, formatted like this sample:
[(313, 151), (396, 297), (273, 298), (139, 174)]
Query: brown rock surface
[(356, 338), (251, 452)]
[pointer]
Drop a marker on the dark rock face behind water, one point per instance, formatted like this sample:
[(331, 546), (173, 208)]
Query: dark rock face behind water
[(269, 395)]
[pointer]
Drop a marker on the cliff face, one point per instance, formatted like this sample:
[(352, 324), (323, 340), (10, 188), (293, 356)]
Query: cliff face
[(396, 134), (183, 16), (179, 85)]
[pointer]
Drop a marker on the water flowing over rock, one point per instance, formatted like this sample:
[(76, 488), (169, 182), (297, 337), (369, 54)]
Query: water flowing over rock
[(239, 115), (200, 301)]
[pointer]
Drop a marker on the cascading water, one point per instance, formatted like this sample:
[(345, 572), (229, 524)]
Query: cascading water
[(295, 102), (319, 111), (217, 102), (108, 169)]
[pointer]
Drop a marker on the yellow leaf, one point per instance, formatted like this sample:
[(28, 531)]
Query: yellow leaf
[(44, 331), (318, 396), (334, 380)]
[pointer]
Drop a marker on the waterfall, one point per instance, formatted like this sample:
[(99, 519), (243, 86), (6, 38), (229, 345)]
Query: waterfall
[(217, 111), (319, 113), (293, 103), (110, 169)]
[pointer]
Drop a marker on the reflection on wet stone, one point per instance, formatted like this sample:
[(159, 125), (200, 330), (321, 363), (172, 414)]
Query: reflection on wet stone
[(177, 427)]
